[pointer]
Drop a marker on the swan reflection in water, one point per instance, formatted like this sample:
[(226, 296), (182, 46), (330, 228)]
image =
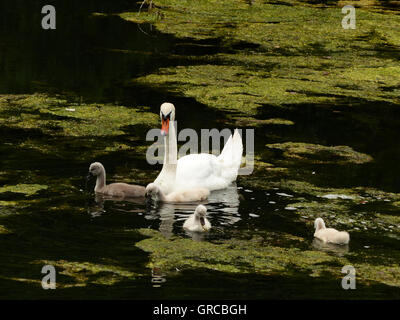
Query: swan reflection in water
[(330, 247), (222, 209), (97, 209)]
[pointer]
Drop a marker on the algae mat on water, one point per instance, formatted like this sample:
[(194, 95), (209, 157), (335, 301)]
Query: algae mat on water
[(277, 54), (45, 134), (256, 256), (56, 115), (27, 189)]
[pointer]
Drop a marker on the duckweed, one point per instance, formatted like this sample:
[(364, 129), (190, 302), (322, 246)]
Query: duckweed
[(253, 256), (55, 115), (301, 54), (320, 154), (27, 189), (85, 273)]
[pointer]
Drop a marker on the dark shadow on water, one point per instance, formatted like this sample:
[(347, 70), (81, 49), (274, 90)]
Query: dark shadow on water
[(367, 128)]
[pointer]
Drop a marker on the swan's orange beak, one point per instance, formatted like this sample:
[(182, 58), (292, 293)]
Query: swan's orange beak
[(164, 126)]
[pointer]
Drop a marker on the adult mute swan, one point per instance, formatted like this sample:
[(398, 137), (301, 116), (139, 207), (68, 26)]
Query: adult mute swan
[(196, 170), (124, 190), (188, 195), (329, 235), (197, 222)]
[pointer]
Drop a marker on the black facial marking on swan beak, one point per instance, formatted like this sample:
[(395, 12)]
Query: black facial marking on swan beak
[(168, 116), (202, 222), (165, 124), (89, 175)]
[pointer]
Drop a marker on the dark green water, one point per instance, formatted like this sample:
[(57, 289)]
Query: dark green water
[(83, 58)]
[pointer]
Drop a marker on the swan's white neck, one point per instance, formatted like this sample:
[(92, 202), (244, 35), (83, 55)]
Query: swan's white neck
[(171, 148), (166, 178)]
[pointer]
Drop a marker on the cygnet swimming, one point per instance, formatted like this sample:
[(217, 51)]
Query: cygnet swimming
[(197, 222), (329, 235), (124, 190)]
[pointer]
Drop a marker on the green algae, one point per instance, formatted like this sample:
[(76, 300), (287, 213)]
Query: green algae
[(86, 273), (80, 274), (4, 230), (303, 54), (9, 203), (320, 154), (243, 121), (57, 116), (26, 189), (255, 256), (241, 256)]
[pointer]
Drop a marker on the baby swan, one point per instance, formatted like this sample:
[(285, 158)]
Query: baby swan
[(190, 195), (329, 235), (197, 222), (123, 190)]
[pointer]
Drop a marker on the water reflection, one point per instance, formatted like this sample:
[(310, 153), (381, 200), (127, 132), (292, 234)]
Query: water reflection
[(97, 208), (196, 236), (157, 277), (222, 209), (330, 247)]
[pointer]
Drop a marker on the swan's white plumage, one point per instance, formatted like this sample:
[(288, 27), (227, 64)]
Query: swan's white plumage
[(198, 170), (209, 171), (183, 195), (330, 235)]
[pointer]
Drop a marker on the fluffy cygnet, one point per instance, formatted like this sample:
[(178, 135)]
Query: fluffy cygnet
[(189, 195), (329, 235), (114, 189), (197, 222)]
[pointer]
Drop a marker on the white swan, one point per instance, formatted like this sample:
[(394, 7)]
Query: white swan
[(196, 170), (197, 222), (114, 189), (188, 195), (329, 235)]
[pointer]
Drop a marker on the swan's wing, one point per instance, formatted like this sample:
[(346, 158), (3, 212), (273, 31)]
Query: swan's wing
[(231, 156), (198, 171), (198, 166), (208, 171)]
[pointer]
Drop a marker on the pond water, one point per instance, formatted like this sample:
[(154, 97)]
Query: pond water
[(106, 249)]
